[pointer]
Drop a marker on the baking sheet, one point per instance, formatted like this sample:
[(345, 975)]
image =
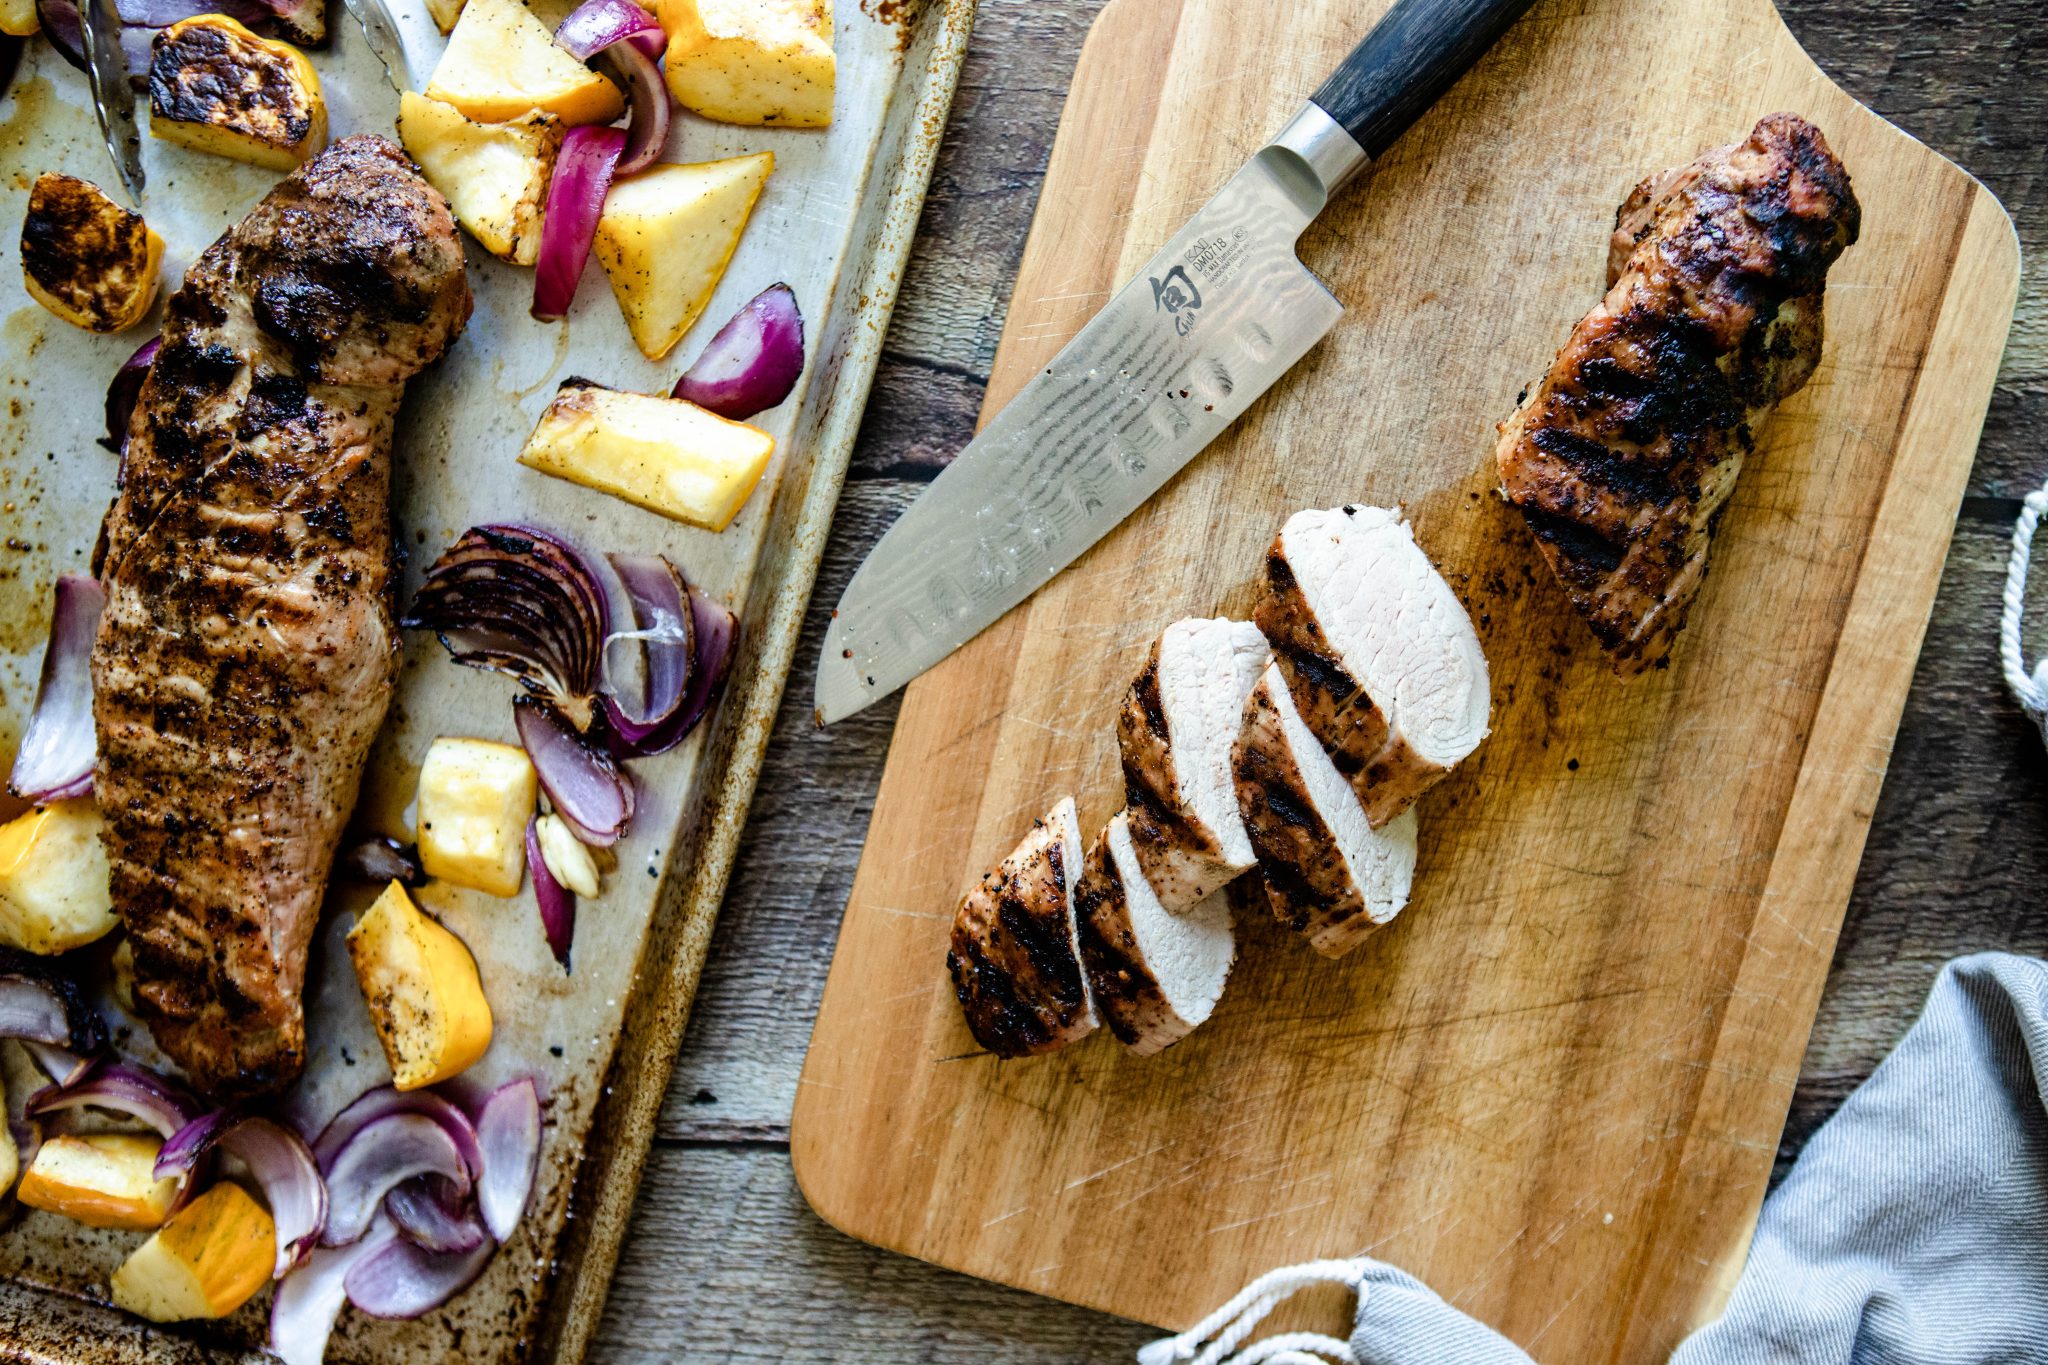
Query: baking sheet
[(834, 222)]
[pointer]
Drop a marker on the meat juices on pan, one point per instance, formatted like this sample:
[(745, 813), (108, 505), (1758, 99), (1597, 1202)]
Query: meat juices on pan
[(1174, 731), (1623, 456), (247, 652), (1015, 956)]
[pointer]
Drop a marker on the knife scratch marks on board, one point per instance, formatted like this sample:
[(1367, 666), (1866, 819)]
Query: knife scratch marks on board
[(906, 913), (1119, 1165), (1005, 1217), (1267, 1216)]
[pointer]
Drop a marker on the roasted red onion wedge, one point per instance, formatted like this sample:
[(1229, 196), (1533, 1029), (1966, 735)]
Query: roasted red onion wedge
[(281, 1163), (590, 792), (508, 1129), (434, 1218), (595, 25), (402, 1280), (123, 392), (373, 1105), (557, 902), (309, 1299), (663, 643), (60, 1064), (123, 1089), (50, 1015), (376, 1159), (56, 754), (625, 42), (380, 860), (715, 632), (754, 360), (583, 175)]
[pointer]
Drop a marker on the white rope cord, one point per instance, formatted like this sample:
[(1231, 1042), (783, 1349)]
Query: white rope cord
[(1226, 1328), (2029, 689)]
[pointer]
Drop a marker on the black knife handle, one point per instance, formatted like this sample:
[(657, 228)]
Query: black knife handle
[(1405, 64)]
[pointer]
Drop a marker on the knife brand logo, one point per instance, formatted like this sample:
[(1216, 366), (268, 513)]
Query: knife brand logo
[(1177, 297)]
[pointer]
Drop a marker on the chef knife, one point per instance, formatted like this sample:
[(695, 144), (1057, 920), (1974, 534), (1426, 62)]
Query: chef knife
[(113, 99), (1202, 330)]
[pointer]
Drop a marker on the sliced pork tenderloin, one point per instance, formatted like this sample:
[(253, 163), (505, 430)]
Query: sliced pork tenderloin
[(1154, 975), (1175, 729), (1380, 657), (1016, 954), (1330, 876)]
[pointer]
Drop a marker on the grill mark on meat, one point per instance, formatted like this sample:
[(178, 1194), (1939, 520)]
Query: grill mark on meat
[(247, 653), (1622, 458), (1012, 955)]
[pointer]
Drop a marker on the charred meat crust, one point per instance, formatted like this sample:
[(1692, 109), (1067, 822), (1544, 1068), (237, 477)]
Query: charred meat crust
[(1012, 955), (1308, 887), (1352, 727), (1171, 848), (1126, 993), (1624, 455), (247, 652)]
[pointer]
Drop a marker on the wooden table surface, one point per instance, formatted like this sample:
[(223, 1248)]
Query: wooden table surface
[(725, 1261)]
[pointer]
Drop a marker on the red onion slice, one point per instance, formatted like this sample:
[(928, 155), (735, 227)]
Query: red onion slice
[(123, 393), (123, 1089), (310, 1298), (434, 1219), (664, 642), (508, 1128), (376, 1103), (754, 360), (61, 1065), (647, 107), (593, 797), (184, 1150), (32, 1011), (557, 902), (401, 1280), (281, 1163), (50, 1015), (716, 633), (595, 25), (377, 1158), (56, 755), (583, 173)]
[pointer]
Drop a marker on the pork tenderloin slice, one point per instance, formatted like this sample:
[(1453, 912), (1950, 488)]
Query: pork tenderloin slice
[(1155, 976), (1016, 952), (1377, 650), (1175, 730), (1330, 876)]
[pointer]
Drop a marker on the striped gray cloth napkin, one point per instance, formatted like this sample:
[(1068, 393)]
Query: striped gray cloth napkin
[(1912, 1231)]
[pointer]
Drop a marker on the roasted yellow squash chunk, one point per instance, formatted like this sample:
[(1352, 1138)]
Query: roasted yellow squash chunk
[(103, 1180), (501, 63), (18, 17), (85, 258), (421, 985), (667, 455), (665, 237), (207, 1261), (53, 879), (475, 797), (494, 175), (216, 87), (752, 61)]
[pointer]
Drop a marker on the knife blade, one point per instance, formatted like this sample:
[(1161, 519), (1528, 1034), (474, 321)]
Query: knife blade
[(113, 99), (1180, 352)]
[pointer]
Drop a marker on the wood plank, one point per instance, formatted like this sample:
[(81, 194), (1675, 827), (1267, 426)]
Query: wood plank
[(1460, 1180)]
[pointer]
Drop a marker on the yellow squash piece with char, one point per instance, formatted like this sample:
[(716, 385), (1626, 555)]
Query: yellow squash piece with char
[(103, 1180), (668, 455), (421, 985), (475, 797), (501, 63), (18, 17), (216, 87), (752, 61), (207, 1261), (665, 237), (53, 879), (494, 175), (85, 258)]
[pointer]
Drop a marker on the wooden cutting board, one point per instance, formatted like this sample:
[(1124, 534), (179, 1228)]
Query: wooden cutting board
[(1553, 1088)]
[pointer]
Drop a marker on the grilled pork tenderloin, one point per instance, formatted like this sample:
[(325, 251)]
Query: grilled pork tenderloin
[(1016, 954), (1155, 976), (1623, 456), (1330, 876), (1175, 730), (247, 652), (1377, 651)]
